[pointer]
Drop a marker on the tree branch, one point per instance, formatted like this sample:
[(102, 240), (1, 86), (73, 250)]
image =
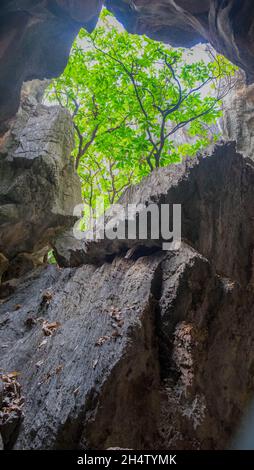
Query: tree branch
[(83, 150)]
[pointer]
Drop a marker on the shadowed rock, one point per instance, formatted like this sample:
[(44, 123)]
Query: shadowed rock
[(103, 348), (36, 36), (228, 26), (39, 187), (238, 116), (150, 350), (216, 194)]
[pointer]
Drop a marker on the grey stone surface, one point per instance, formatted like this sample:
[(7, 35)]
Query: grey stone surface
[(67, 380), (36, 37), (152, 350), (216, 194), (238, 117), (39, 186), (147, 353), (228, 26)]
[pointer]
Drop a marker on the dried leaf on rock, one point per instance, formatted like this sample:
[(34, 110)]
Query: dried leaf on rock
[(49, 328), (102, 340)]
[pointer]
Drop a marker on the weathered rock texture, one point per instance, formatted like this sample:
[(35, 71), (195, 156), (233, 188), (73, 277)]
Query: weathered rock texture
[(39, 187), (238, 117), (35, 40), (227, 25), (36, 36), (76, 382), (154, 351), (212, 222)]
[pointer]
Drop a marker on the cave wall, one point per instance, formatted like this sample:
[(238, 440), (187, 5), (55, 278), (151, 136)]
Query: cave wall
[(147, 350), (137, 350), (227, 25), (39, 187), (35, 41), (238, 116), (36, 35)]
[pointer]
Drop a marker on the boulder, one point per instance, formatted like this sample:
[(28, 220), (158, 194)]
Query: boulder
[(215, 192), (99, 358), (39, 186)]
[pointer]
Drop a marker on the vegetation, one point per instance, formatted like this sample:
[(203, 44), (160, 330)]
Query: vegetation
[(129, 97)]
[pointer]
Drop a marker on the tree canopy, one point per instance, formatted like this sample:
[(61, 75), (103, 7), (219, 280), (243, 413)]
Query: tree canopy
[(129, 97)]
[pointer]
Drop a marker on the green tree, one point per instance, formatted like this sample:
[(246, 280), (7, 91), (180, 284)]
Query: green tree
[(129, 97)]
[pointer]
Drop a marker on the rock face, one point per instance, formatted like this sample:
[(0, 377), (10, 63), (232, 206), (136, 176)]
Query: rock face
[(36, 36), (228, 26), (238, 116), (151, 349), (35, 41), (77, 376), (39, 187), (210, 222), (146, 351)]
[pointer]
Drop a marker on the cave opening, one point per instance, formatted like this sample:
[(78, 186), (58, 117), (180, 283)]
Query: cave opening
[(137, 105)]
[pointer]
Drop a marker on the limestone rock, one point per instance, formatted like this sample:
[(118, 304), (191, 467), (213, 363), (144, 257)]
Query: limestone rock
[(147, 350), (100, 358), (238, 117), (146, 353), (215, 193), (39, 186), (36, 36), (228, 26)]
